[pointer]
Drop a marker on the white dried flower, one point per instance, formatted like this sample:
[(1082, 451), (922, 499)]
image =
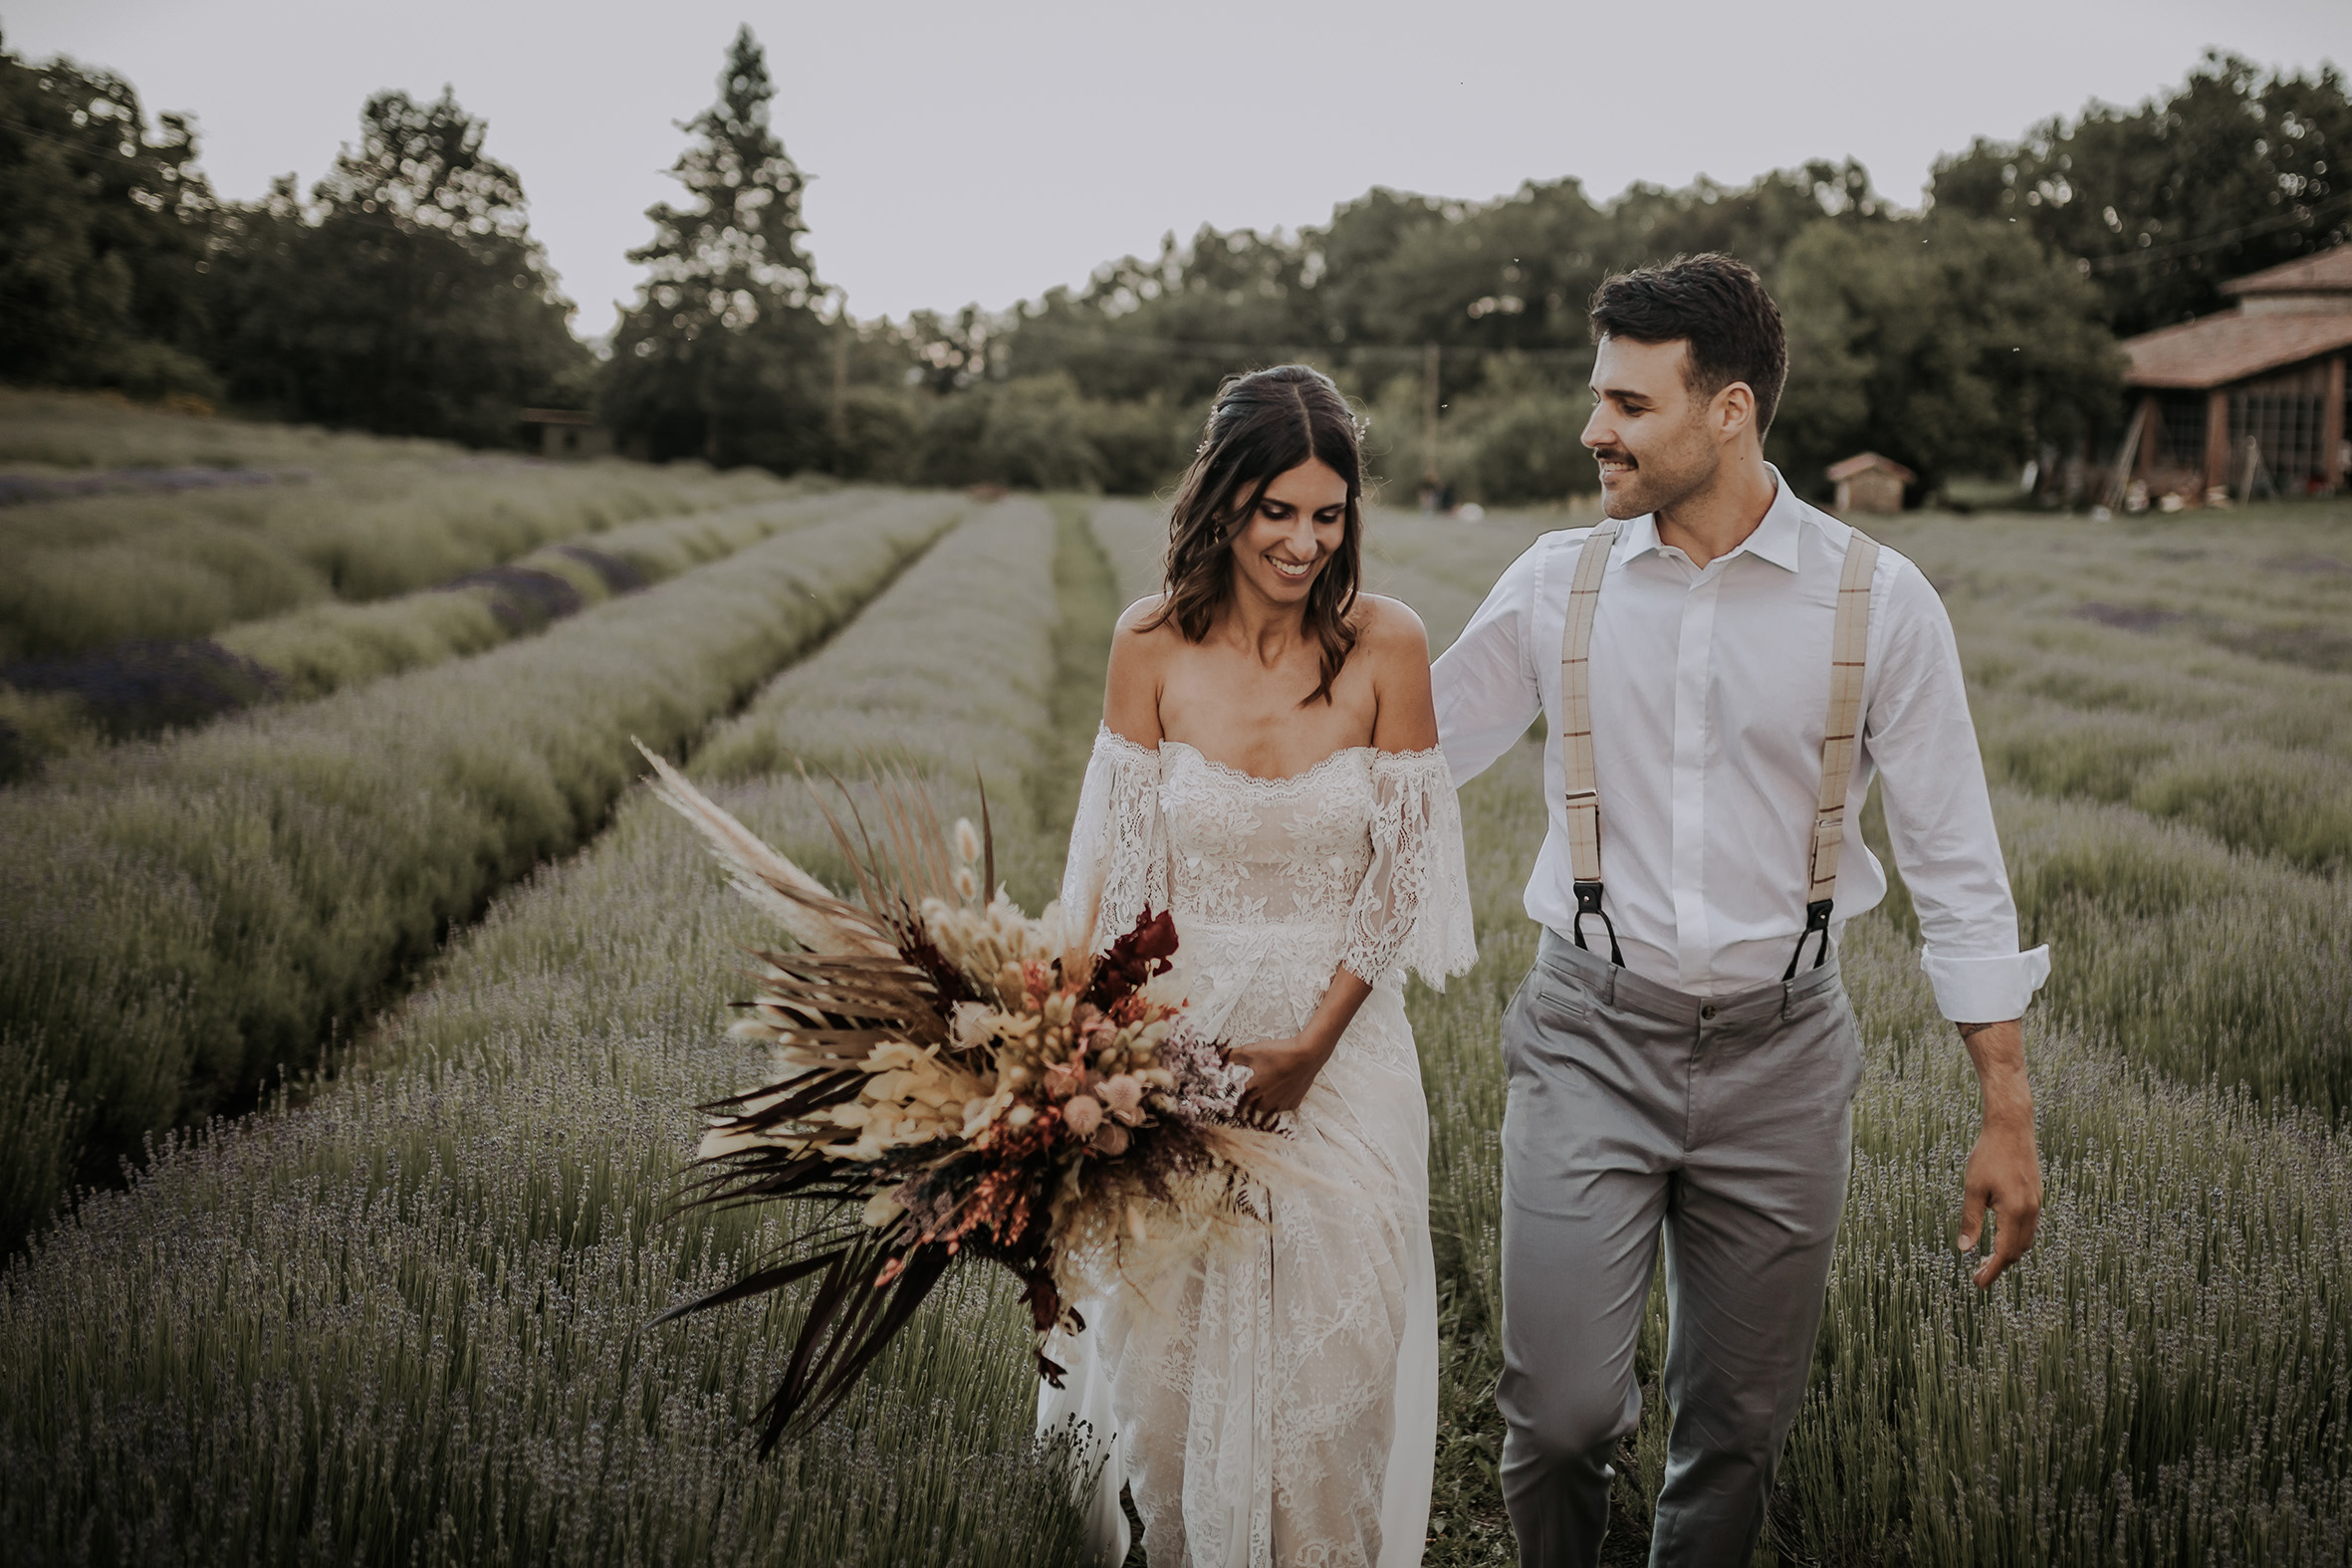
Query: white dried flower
[(967, 840), (1123, 1096), (972, 1023)]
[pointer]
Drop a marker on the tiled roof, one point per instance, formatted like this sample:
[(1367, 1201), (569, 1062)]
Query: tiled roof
[(2327, 272), (2221, 348), (1863, 462)]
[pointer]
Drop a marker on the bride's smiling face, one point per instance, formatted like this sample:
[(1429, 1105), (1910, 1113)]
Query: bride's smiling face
[(1280, 550)]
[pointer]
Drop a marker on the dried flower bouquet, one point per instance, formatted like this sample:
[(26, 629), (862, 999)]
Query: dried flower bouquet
[(958, 1080)]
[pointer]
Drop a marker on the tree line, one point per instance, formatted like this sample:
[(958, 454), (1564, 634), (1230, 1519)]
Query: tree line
[(404, 294)]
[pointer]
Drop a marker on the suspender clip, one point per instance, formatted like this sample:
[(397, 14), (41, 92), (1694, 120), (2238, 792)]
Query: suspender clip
[(1816, 920), (1588, 903)]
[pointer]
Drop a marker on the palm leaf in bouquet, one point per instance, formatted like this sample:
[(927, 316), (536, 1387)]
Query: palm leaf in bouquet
[(956, 1082)]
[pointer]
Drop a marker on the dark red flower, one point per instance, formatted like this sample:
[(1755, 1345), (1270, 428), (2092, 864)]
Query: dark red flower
[(1133, 959)]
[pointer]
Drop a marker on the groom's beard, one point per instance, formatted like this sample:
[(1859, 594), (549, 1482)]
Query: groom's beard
[(1657, 485)]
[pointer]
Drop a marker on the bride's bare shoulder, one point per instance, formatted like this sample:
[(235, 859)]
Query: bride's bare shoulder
[(1140, 617), (1144, 636), (1139, 652), (1388, 629)]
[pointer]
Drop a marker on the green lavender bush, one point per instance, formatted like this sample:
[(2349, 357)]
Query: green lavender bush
[(328, 646), (2164, 1378), (180, 920), (349, 518), (321, 648), (2162, 703), (407, 1320), (400, 1316)]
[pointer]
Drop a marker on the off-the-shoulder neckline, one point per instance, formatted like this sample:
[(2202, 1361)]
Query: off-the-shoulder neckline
[(1105, 731)]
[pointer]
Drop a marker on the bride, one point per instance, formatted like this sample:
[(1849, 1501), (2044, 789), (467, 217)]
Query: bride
[(1266, 770)]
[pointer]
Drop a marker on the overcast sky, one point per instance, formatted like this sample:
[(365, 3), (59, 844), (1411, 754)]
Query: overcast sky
[(969, 150)]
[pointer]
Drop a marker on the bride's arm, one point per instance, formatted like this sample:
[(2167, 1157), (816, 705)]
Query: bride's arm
[(1407, 715), (1116, 871), (1138, 670), (1397, 647)]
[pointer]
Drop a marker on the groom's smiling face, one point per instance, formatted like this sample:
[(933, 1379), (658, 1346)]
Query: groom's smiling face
[(1650, 430)]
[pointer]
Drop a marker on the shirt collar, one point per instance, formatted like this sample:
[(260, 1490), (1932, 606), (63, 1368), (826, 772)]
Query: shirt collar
[(1776, 538)]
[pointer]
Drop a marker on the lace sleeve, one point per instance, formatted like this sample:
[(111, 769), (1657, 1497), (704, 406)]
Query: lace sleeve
[(1413, 910), (1118, 850)]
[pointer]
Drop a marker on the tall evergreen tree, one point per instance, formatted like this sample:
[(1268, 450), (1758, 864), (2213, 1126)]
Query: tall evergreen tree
[(408, 297), (724, 355)]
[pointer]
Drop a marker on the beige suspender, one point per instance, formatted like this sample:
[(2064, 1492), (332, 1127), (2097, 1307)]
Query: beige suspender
[(1840, 739), (1576, 732), (1849, 657)]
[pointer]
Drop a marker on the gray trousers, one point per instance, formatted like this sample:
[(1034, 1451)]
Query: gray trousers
[(1728, 1121)]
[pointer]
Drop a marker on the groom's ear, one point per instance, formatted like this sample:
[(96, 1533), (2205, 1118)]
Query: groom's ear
[(1733, 413)]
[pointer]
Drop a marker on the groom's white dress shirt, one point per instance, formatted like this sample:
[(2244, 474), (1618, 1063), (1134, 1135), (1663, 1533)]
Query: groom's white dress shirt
[(1710, 694)]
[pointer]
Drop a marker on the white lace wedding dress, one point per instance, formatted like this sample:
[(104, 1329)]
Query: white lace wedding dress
[(1278, 1403)]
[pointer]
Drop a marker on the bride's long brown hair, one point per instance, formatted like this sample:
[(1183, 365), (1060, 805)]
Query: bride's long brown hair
[(1264, 424)]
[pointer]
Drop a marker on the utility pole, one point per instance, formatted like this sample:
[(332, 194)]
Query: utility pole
[(1429, 473), (840, 419)]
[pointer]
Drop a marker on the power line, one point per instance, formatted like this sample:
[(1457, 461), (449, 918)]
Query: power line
[(1403, 352), (2213, 242)]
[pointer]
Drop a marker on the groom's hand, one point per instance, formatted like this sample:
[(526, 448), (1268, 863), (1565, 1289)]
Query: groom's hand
[(2005, 1169)]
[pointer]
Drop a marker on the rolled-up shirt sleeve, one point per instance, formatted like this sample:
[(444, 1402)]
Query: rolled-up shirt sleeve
[(1939, 812), (1484, 683)]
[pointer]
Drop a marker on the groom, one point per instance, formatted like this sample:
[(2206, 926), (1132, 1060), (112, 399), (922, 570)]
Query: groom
[(1723, 668)]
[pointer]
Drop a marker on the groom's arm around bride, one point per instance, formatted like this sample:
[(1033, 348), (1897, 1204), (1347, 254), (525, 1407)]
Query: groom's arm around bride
[(1723, 669)]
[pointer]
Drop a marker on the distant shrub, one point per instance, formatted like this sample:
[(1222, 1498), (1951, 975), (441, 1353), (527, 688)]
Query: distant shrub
[(881, 436)]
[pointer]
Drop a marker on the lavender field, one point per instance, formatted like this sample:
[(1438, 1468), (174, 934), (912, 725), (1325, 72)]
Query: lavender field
[(397, 995)]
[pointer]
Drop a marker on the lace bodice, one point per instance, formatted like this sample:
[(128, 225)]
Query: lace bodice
[(1366, 844)]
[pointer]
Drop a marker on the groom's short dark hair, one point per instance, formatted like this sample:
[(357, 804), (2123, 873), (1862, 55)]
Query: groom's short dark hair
[(1715, 303)]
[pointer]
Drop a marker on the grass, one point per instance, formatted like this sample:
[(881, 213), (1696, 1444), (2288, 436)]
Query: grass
[(399, 1317), (2160, 702), (339, 518), (181, 920), (2165, 1379), (406, 1320)]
